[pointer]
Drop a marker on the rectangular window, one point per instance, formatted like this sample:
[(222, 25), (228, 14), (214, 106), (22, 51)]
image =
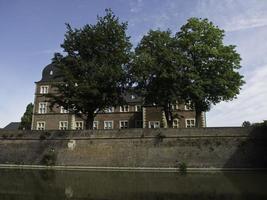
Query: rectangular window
[(124, 108), (62, 110), (42, 108), (138, 124), (175, 106), (95, 125), (108, 124), (40, 126), (190, 123), (109, 110), (138, 108), (176, 123), (79, 125), (63, 125), (124, 124), (154, 124), (44, 89)]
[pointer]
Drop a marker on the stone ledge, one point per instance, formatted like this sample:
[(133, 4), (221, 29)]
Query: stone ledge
[(135, 169)]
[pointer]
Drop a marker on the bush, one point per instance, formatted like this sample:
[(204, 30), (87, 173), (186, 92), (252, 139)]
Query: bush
[(182, 168), (44, 135), (4, 136), (49, 158), (20, 135), (159, 138)]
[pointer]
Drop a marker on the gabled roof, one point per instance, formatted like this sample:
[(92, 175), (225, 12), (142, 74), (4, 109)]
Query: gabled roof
[(12, 126)]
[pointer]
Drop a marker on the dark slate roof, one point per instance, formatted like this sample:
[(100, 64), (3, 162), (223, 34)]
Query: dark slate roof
[(50, 73), (12, 126)]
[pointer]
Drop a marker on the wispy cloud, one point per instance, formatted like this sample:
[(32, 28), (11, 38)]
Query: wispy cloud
[(241, 23), (234, 15), (136, 6), (250, 104)]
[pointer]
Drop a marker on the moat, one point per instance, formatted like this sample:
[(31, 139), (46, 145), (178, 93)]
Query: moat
[(89, 185)]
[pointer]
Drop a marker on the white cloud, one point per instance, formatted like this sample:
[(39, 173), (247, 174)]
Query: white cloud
[(234, 15), (249, 106), (242, 23)]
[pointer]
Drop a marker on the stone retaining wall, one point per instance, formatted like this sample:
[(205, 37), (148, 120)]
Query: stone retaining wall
[(198, 148)]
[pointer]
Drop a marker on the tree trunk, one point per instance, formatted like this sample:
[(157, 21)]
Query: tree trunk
[(89, 121), (198, 117), (168, 115)]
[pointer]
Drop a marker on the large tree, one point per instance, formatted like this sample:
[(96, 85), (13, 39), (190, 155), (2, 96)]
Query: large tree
[(92, 68), (26, 119), (156, 71), (210, 67)]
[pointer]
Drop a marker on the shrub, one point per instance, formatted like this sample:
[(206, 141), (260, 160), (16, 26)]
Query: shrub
[(20, 135), (182, 168), (44, 135), (49, 158), (159, 138), (4, 136)]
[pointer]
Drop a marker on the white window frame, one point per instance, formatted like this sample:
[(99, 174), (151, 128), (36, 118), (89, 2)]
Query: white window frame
[(63, 110), (177, 124), (42, 109), (175, 106), (65, 125), (138, 108), (44, 89), (140, 122), (42, 127), (107, 127), (109, 110), (152, 124), (77, 125), (190, 125), (124, 108), (122, 124), (95, 125)]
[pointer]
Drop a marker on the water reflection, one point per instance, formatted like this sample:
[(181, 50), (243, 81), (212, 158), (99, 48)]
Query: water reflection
[(57, 185)]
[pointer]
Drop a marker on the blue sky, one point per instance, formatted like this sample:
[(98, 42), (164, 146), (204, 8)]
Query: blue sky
[(32, 30)]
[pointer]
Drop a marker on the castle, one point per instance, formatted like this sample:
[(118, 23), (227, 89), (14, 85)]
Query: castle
[(131, 115)]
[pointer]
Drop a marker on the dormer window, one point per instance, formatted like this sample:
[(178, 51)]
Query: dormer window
[(62, 110), (44, 89), (109, 110), (188, 106), (138, 108), (124, 108)]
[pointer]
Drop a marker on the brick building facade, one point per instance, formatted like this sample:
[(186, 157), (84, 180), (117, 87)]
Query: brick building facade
[(132, 115)]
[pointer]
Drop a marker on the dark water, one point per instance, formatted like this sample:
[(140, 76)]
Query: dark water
[(57, 185)]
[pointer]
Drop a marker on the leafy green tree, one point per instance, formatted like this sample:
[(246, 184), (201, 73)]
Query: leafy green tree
[(156, 71), (92, 70), (26, 119), (210, 67), (246, 124)]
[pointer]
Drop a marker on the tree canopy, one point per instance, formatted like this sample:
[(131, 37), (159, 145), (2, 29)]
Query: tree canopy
[(194, 66), (92, 71), (210, 67), (156, 71), (26, 119)]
